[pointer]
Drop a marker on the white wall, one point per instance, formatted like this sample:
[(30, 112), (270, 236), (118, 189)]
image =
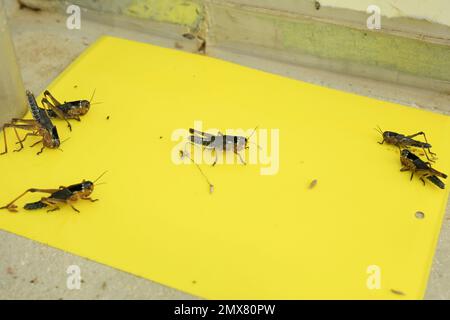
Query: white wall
[(431, 10)]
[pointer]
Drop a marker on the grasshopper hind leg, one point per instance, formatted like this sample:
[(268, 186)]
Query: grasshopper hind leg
[(52, 202), (54, 107), (216, 158), (240, 157), (421, 133), (32, 134), (9, 125)]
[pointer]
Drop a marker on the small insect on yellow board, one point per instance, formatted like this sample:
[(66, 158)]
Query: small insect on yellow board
[(267, 231)]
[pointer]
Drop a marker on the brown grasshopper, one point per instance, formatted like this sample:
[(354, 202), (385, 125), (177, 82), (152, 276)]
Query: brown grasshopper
[(413, 163), (67, 110), (402, 141), (67, 195), (41, 126)]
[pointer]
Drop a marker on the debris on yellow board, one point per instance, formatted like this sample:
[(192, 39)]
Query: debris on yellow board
[(261, 234)]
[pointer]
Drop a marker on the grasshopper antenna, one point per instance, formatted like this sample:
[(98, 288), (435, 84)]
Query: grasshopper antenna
[(248, 138), (378, 129), (92, 97), (254, 130), (259, 147), (99, 184), (62, 143), (100, 177)]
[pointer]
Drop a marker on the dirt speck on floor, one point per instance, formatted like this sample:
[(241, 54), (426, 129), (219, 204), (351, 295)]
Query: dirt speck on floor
[(10, 271)]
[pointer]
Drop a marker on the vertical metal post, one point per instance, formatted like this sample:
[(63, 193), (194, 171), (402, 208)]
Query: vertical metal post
[(12, 92)]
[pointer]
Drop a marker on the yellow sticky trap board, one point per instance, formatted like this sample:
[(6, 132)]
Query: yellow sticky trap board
[(354, 235)]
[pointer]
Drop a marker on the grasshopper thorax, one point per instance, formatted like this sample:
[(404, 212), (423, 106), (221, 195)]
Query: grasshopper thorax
[(393, 137), (240, 143), (408, 156), (405, 153), (405, 159), (87, 187)]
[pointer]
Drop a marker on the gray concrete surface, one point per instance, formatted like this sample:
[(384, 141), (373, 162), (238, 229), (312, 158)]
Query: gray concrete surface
[(29, 270)]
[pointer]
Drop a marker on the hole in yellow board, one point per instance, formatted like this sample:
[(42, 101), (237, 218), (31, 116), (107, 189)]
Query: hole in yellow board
[(420, 215)]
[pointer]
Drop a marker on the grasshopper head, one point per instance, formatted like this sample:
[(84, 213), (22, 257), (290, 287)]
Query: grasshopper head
[(387, 135), (84, 107), (408, 156), (240, 143), (81, 107), (405, 153), (87, 187), (51, 139)]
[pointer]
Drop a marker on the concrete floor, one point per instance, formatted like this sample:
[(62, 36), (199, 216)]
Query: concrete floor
[(29, 270)]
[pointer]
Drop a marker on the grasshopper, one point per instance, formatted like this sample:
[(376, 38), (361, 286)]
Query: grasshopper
[(67, 110), (413, 163), (402, 141), (67, 195), (40, 125), (220, 142)]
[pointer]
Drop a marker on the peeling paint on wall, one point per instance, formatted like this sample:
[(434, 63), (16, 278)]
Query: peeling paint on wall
[(183, 12)]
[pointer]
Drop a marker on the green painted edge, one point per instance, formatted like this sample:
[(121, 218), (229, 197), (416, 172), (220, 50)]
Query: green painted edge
[(373, 48)]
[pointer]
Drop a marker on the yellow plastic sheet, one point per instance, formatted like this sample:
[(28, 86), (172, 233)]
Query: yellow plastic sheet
[(255, 236)]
